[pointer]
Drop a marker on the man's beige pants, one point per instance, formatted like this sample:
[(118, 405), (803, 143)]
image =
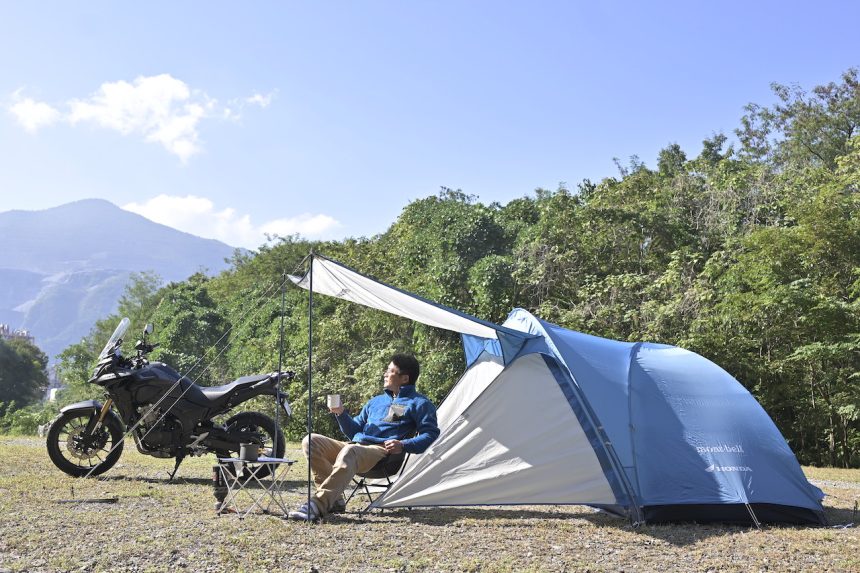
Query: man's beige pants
[(333, 463)]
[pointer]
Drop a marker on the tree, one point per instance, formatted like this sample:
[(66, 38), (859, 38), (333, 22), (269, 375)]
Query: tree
[(140, 297), (23, 379), (670, 161), (434, 243), (804, 129), (191, 331)]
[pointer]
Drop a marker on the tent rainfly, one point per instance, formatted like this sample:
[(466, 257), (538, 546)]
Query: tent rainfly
[(546, 415)]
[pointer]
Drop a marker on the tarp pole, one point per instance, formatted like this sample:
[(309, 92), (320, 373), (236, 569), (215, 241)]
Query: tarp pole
[(310, 369), (280, 365)]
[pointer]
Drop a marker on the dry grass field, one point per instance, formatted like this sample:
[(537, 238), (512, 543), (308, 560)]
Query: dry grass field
[(159, 526)]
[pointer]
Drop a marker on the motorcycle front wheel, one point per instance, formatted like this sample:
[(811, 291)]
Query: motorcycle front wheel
[(273, 439), (81, 455)]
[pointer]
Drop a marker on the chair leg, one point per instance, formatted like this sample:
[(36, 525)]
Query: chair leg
[(381, 473), (356, 485), (364, 489)]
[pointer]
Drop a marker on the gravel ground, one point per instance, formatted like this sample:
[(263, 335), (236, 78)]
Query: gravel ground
[(158, 526)]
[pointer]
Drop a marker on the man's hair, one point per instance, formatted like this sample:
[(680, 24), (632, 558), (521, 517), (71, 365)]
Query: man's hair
[(407, 364)]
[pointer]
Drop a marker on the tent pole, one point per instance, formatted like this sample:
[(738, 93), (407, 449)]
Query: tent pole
[(310, 367)]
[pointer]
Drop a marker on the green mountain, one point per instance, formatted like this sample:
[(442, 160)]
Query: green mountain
[(63, 268)]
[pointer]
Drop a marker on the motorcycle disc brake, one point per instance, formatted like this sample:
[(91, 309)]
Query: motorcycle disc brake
[(75, 441)]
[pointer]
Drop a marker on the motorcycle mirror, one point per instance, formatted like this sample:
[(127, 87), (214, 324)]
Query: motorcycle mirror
[(148, 329)]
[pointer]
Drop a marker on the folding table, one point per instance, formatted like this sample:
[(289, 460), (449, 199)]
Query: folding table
[(247, 491)]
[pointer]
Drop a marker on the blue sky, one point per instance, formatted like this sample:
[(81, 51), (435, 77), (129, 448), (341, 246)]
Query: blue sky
[(230, 119)]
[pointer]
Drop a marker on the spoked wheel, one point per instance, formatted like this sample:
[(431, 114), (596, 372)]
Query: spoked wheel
[(271, 436), (79, 454)]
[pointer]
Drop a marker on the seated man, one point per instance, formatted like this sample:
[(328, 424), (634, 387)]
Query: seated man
[(380, 429)]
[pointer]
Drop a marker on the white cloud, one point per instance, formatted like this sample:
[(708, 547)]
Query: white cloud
[(161, 109), (261, 100), (306, 225), (32, 114), (199, 216)]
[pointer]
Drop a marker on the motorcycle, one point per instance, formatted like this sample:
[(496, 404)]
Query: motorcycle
[(170, 416)]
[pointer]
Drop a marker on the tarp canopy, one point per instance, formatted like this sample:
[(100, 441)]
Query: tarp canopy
[(334, 279), (547, 415)]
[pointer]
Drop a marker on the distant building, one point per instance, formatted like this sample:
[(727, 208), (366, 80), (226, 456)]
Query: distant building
[(6, 333), (54, 384)]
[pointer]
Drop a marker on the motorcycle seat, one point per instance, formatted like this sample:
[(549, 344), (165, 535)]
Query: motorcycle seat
[(217, 393)]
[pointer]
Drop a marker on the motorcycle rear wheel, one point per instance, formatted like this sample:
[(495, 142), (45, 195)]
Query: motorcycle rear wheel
[(272, 435), (79, 455)]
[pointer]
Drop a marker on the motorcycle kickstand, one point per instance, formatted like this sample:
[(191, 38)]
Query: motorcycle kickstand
[(179, 459)]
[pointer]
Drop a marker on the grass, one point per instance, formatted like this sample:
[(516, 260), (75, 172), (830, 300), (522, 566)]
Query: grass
[(159, 526)]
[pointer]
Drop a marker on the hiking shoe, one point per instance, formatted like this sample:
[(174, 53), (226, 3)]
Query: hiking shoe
[(307, 512), (339, 506)]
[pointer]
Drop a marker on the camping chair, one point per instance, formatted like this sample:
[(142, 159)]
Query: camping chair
[(376, 481)]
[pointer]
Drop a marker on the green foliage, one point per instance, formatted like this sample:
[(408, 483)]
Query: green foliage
[(749, 255), (22, 371), (191, 331), (24, 421), (492, 286), (804, 129)]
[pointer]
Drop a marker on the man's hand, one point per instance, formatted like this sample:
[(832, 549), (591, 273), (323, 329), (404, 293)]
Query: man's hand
[(336, 411), (393, 446)]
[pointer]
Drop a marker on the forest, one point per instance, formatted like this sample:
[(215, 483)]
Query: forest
[(747, 252)]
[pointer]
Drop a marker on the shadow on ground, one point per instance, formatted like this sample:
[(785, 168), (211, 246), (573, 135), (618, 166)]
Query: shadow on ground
[(678, 534), (164, 479), (837, 516)]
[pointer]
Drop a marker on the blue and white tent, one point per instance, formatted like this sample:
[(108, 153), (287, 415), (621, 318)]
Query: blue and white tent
[(546, 415)]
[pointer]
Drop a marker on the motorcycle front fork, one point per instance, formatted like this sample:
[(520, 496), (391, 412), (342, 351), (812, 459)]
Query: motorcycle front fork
[(96, 423), (105, 410)]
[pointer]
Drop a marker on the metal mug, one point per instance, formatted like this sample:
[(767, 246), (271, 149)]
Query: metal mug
[(249, 452)]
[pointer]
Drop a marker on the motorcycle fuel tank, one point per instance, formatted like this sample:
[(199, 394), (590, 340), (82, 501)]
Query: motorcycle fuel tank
[(157, 378)]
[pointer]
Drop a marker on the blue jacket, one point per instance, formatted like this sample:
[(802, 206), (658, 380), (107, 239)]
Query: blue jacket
[(385, 417)]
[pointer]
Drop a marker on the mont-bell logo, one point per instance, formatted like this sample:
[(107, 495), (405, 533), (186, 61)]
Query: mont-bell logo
[(723, 449)]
